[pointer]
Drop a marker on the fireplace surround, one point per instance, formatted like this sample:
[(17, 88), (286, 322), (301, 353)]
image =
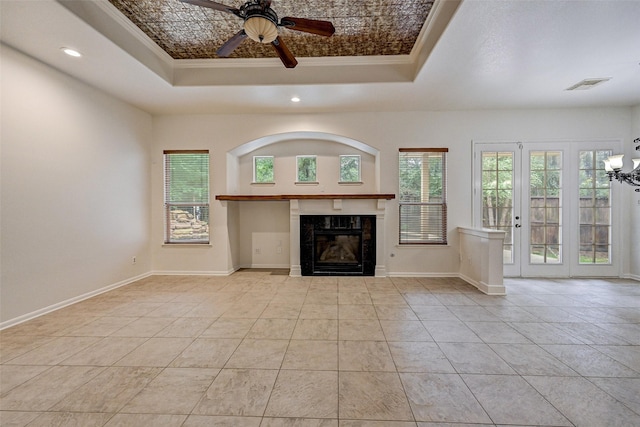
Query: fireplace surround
[(337, 245)]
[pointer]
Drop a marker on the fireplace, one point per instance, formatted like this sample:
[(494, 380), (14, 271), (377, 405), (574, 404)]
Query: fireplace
[(337, 245)]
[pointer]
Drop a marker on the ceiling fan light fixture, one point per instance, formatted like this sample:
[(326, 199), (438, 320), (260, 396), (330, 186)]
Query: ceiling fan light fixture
[(260, 29)]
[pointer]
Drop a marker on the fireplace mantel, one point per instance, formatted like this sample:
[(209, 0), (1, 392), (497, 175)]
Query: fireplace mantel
[(271, 197)]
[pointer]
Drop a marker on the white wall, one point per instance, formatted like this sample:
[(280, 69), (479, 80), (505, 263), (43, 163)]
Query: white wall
[(75, 189), (385, 132)]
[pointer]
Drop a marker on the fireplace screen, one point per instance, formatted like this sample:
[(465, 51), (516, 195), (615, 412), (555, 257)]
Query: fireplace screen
[(337, 248), (337, 244)]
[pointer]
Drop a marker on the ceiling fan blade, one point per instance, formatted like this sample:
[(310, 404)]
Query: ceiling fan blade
[(313, 26), (213, 5), (231, 44), (284, 53)]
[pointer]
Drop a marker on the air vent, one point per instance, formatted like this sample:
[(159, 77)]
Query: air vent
[(588, 83)]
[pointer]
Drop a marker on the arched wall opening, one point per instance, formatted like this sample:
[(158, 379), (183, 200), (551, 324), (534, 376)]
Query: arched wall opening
[(234, 156)]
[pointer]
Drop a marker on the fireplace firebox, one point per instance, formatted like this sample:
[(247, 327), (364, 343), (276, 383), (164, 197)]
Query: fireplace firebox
[(337, 245)]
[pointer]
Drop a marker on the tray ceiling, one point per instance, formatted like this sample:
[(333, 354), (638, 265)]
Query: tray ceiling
[(363, 28)]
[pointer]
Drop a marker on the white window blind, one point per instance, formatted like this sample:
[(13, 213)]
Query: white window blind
[(423, 196), (186, 195)]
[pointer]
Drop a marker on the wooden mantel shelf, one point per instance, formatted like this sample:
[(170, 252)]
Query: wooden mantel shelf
[(254, 197)]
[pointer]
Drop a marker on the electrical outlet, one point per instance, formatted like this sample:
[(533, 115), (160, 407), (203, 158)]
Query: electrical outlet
[(258, 251), (133, 260), (279, 250)]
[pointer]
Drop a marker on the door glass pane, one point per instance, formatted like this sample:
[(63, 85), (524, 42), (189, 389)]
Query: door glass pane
[(594, 208), (545, 207), (497, 197)]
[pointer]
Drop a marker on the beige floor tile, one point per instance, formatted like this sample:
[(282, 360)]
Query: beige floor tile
[(395, 312), (13, 375), (368, 423), (173, 309), (322, 296), (404, 330), (354, 298), (108, 391), (186, 327), (17, 345), (388, 298), (221, 421), (17, 418), (298, 422), (568, 349), (156, 352), (419, 357), (372, 396), (304, 394), (105, 352), (173, 391), (583, 403), (238, 392), (475, 358), (282, 310), (55, 351), (277, 329), (144, 327), (509, 399), (319, 311), (228, 328), (357, 329), (316, 329), (625, 390), (442, 398), (365, 356), (311, 355), (43, 391), (206, 353), (589, 362), (65, 419), (245, 310), (258, 354), (136, 420), (361, 311)]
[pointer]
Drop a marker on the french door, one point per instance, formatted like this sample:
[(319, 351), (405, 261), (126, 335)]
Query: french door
[(554, 203)]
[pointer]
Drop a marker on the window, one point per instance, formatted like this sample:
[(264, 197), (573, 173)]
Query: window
[(263, 169), (423, 196), (186, 196), (306, 168), (545, 207), (595, 208), (350, 168)]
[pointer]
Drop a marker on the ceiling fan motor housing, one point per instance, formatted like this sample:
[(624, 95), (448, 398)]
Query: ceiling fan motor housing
[(260, 24)]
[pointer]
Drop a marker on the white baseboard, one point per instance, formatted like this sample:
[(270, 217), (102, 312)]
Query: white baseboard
[(70, 301), (192, 273), (485, 288), (421, 274)]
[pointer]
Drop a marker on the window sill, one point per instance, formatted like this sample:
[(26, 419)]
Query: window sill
[(350, 183), (190, 245), (423, 245), (264, 183), (307, 183)]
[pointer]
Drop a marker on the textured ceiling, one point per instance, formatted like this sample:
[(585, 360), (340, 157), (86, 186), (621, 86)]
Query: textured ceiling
[(363, 28)]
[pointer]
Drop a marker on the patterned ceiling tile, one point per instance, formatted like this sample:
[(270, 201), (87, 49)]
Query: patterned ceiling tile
[(376, 27)]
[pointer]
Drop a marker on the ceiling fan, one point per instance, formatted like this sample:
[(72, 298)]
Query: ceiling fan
[(261, 25)]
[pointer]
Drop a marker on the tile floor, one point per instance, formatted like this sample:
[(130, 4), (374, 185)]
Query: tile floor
[(259, 348)]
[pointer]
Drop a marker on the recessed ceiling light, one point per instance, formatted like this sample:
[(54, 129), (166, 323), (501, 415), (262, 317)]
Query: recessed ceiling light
[(71, 52), (295, 99)]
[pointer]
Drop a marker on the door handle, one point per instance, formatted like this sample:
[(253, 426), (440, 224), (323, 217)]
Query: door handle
[(518, 226)]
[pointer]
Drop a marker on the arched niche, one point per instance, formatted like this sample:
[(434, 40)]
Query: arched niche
[(233, 156)]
